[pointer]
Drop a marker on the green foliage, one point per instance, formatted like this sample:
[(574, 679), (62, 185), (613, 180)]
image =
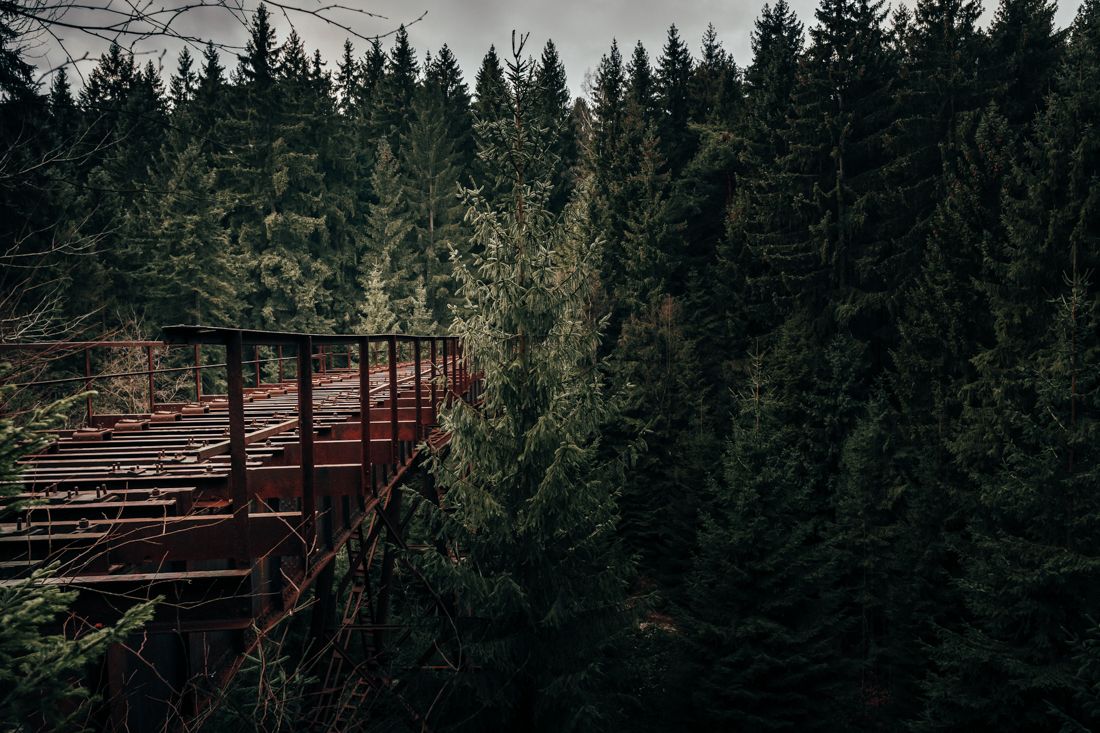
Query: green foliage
[(530, 486), (41, 670), (863, 261), (764, 626)]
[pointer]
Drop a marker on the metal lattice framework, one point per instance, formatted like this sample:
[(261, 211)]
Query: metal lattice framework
[(233, 506)]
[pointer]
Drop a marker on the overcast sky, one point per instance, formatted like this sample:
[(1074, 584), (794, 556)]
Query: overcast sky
[(581, 29)]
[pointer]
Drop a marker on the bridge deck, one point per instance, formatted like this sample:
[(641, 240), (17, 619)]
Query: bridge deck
[(229, 507)]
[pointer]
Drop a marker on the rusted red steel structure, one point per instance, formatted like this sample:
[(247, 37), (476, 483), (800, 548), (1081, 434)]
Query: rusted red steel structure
[(233, 506)]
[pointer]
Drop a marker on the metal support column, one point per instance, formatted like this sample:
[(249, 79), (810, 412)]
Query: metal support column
[(305, 430), (416, 386), (367, 482), (238, 476), (152, 380)]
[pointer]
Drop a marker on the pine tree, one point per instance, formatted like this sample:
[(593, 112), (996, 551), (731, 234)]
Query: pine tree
[(642, 85), (349, 82), (674, 70), (607, 161), (431, 172), (197, 277), (941, 81), (1028, 438), (125, 122), (63, 112), (210, 95), (397, 89), (1023, 55), (715, 84), (387, 245), (755, 218), (420, 319), (540, 576), (376, 307), (842, 263), (181, 88), (763, 626), (444, 79), (944, 323), (551, 108), (490, 106)]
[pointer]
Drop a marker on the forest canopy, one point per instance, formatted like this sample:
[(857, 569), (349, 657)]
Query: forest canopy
[(838, 331)]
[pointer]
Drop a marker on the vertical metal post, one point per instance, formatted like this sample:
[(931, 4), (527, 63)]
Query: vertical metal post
[(435, 404), (322, 358), (280, 364), (238, 476), (446, 379), (256, 363), (88, 383), (454, 367), (416, 386), (305, 430), (152, 381), (393, 397), (198, 374), (367, 472), (393, 507)]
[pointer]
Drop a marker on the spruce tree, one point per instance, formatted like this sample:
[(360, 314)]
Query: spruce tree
[(444, 79), (375, 307), (181, 88), (490, 106), (431, 182), (210, 96), (940, 81), (833, 258), (1022, 58), (387, 245), (530, 489), (397, 89), (674, 70), (756, 215), (642, 85), (551, 108), (715, 83), (763, 621), (1028, 439), (197, 276)]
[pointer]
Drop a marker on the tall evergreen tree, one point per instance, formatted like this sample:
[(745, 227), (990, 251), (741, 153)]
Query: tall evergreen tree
[(941, 81), (397, 89), (642, 85), (1022, 58), (431, 171), (386, 251), (490, 106), (444, 79), (552, 109), (764, 624), (674, 70), (1029, 439), (181, 88), (756, 216), (539, 574), (715, 83)]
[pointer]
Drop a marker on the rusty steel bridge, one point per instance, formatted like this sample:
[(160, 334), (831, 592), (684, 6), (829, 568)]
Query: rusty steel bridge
[(234, 505)]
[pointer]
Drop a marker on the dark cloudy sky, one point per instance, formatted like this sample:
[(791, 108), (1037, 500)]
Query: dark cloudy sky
[(582, 29)]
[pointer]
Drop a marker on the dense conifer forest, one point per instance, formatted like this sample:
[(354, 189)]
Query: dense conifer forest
[(804, 430)]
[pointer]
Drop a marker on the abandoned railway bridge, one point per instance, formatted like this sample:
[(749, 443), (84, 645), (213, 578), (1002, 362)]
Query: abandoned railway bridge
[(236, 504)]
